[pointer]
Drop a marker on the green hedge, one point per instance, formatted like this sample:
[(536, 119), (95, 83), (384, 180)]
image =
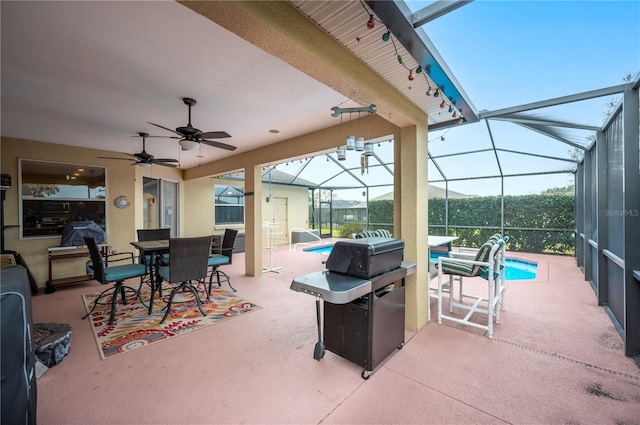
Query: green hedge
[(521, 213), (474, 220)]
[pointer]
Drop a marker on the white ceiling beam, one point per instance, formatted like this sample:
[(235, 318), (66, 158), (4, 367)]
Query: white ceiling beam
[(608, 91), (436, 10)]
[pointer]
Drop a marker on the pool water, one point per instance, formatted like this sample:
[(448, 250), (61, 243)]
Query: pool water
[(514, 270)]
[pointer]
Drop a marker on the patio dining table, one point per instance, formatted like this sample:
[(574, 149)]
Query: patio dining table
[(434, 241)]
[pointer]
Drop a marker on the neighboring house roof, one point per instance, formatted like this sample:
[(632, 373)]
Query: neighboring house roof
[(434, 192), (277, 177), (342, 204)]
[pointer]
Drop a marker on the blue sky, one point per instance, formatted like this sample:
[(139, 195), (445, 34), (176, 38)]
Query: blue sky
[(508, 53)]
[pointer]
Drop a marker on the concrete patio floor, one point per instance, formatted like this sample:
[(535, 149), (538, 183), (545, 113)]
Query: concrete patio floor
[(556, 358)]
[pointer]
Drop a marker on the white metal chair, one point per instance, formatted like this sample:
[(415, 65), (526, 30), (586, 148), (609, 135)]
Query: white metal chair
[(465, 253), (487, 263)]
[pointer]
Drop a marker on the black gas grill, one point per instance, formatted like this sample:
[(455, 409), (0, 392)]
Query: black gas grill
[(366, 258), (364, 294)]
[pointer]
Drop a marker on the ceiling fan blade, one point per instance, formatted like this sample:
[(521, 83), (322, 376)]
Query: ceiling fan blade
[(218, 144), (165, 160), (122, 159), (215, 135), (164, 128), (164, 164), (165, 137)]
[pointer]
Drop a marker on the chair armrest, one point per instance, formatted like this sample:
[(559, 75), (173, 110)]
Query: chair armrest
[(120, 256), (460, 261), (226, 251), (466, 248), (462, 255)]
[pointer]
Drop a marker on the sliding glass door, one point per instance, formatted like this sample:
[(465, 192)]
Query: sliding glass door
[(160, 208)]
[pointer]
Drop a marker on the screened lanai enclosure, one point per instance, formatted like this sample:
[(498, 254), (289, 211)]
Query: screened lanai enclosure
[(511, 166)]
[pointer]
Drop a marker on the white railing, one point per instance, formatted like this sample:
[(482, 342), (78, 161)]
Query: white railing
[(317, 241)]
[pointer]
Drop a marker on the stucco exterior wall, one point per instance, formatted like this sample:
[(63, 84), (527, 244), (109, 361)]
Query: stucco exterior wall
[(199, 201), (121, 179)]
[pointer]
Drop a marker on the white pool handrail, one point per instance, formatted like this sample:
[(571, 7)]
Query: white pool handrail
[(299, 229)]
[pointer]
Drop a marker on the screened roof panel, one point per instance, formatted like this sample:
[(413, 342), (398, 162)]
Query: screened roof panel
[(469, 165), (513, 137), (464, 138), (514, 163)]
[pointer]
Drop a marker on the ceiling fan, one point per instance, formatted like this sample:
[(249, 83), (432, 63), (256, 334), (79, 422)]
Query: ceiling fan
[(144, 159), (190, 137)]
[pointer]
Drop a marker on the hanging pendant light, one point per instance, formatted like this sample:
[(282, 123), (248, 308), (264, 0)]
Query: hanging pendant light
[(360, 144), (368, 149), (351, 143), (342, 153)]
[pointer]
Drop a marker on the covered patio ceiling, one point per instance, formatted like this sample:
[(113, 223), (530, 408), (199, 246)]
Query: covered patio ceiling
[(94, 74)]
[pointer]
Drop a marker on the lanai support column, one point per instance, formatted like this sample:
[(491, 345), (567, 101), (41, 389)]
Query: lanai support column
[(410, 206), (253, 220)]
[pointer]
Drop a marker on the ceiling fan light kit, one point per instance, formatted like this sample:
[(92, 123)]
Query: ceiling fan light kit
[(187, 145)]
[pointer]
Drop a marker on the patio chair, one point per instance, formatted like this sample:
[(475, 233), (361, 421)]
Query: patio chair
[(225, 257), (188, 263), (153, 235), (466, 253), (486, 264), (147, 258), (113, 274)]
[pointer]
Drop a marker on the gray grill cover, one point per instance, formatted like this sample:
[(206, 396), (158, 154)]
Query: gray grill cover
[(74, 232), (367, 257)]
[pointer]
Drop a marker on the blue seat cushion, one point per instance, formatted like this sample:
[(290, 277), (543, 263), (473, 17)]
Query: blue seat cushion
[(218, 260), (117, 273), (165, 273)]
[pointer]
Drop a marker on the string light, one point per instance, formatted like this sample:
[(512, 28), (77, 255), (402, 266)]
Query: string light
[(371, 24), (441, 137), (386, 36)]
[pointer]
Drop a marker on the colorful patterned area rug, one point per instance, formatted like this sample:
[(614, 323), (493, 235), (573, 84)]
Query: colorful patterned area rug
[(134, 328)]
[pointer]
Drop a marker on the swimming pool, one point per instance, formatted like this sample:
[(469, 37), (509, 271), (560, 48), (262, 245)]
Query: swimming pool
[(514, 270)]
